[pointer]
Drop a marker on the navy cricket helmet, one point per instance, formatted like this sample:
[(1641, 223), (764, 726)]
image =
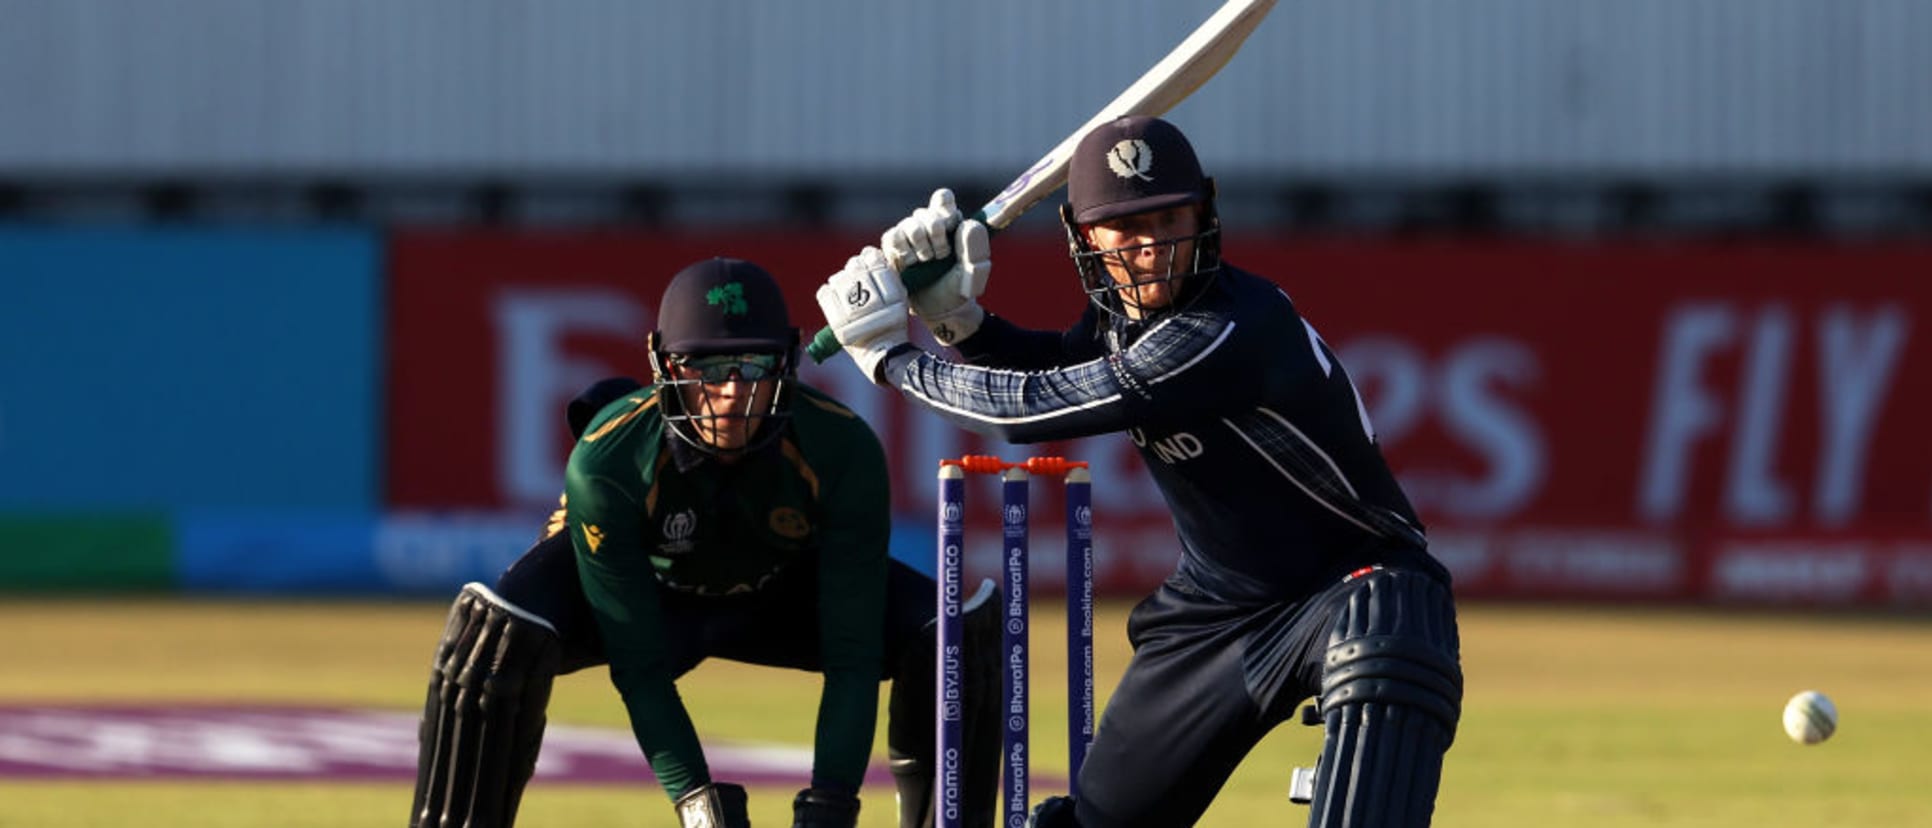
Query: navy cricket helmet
[(1126, 167), (723, 322)]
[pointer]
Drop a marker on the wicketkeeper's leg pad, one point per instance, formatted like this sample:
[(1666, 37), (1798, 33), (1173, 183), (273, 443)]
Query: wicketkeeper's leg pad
[(483, 718), (1390, 699), (912, 712)]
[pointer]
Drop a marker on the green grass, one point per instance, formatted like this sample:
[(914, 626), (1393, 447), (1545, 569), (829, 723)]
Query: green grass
[(1574, 717)]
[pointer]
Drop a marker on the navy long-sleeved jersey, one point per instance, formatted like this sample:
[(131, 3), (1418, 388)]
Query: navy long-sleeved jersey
[(1249, 424)]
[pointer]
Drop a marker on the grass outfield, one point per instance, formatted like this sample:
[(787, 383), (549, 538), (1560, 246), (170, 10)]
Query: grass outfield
[(1574, 717)]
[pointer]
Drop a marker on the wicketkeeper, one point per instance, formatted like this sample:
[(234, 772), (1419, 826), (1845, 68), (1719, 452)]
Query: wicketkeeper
[(1303, 570), (725, 510)]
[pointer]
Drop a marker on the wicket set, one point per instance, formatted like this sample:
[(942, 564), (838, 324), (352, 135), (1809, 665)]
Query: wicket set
[(1015, 489)]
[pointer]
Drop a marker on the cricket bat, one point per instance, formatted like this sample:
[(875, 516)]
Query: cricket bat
[(1169, 82)]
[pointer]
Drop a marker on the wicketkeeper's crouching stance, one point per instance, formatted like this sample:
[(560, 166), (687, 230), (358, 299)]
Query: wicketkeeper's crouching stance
[(726, 510)]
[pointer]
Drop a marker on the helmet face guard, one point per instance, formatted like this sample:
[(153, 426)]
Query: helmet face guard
[(1185, 279), (699, 411)]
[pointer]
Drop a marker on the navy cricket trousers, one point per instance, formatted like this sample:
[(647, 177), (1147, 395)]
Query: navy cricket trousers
[(1207, 681)]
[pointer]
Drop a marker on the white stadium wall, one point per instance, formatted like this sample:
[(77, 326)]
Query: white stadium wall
[(599, 87)]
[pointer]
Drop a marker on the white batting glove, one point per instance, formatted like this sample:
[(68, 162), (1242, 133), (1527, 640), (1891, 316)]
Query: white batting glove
[(865, 306), (923, 235), (950, 306)]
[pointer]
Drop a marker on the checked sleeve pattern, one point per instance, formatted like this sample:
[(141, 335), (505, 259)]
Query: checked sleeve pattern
[(1173, 371)]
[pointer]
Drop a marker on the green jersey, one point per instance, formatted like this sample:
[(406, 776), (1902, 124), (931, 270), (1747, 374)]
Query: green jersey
[(639, 523)]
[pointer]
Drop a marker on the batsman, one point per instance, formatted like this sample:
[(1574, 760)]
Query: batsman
[(725, 510), (1302, 569)]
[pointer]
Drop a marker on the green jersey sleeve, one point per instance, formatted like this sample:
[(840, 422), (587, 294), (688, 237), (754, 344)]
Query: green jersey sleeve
[(856, 524), (604, 496)]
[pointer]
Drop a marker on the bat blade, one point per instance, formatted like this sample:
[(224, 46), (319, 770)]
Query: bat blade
[(1208, 48), (1156, 91)]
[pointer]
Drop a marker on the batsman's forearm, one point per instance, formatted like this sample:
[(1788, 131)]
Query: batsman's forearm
[(1021, 407)]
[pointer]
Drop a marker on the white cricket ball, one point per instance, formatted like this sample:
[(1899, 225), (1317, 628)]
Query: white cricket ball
[(1810, 718)]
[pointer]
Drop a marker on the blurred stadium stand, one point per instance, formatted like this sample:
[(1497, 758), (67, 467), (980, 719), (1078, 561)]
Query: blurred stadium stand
[(1514, 116)]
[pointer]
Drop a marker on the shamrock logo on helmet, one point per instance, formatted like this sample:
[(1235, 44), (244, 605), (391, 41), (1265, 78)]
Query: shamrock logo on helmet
[(731, 295)]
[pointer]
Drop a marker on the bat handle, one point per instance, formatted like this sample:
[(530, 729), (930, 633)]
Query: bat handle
[(825, 344)]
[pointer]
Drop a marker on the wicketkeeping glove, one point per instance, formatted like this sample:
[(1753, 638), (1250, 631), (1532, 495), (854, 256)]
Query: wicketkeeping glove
[(950, 306), (865, 306), (822, 808), (1053, 812), (715, 805)]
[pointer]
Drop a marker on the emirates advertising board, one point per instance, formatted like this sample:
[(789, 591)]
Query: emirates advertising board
[(1731, 422)]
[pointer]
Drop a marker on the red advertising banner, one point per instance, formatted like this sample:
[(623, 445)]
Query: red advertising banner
[(1644, 420), (1721, 421), (491, 334)]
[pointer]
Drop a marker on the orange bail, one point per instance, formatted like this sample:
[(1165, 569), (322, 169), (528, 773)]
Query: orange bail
[(1056, 466), (989, 464)]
